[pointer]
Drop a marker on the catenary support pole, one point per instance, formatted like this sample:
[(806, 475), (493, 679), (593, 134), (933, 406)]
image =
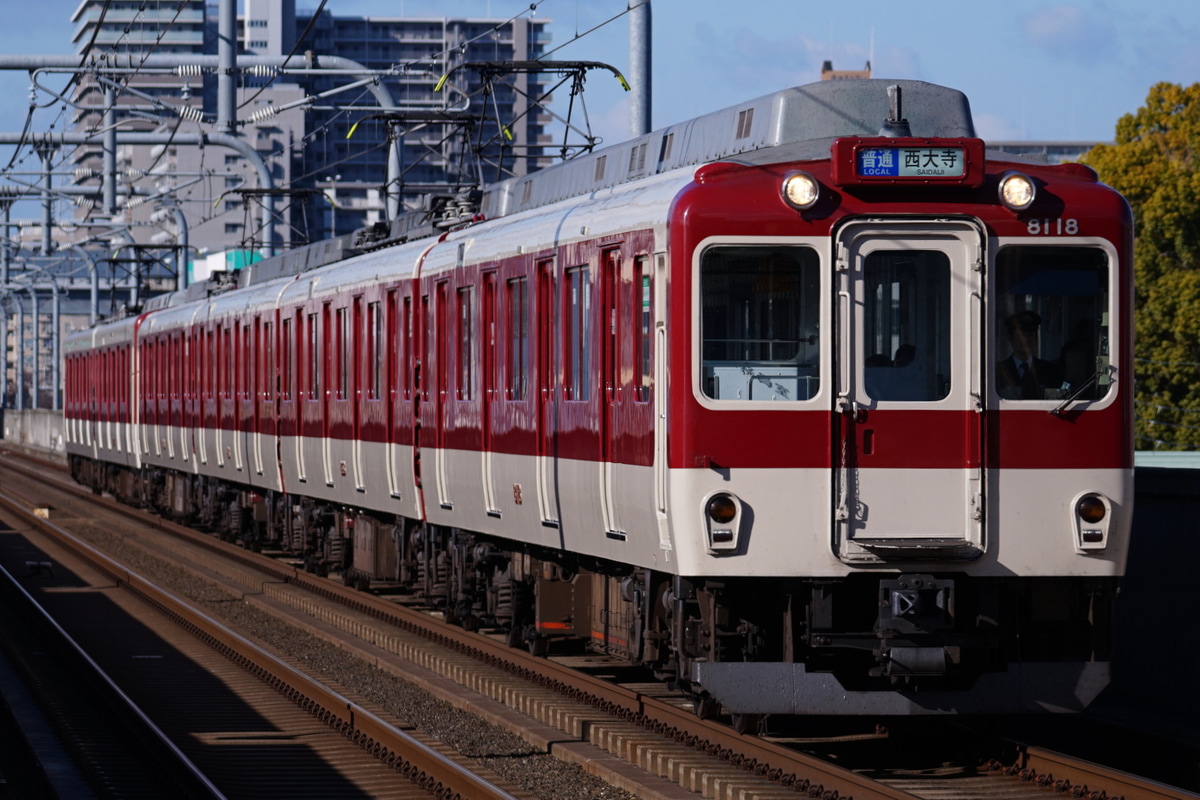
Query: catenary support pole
[(640, 52)]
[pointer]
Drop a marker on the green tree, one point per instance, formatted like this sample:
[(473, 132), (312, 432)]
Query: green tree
[(1154, 164)]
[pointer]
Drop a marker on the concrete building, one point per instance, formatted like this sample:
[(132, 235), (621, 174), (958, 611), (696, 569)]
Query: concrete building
[(828, 73), (297, 121), (1050, 152), (344, 152)]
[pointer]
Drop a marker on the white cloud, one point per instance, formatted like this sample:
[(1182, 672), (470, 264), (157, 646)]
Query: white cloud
[(991, 127), (612, 126), (1068, 33)]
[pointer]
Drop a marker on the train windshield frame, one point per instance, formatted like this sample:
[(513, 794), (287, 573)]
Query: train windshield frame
[(760, 307), (1052, 303)]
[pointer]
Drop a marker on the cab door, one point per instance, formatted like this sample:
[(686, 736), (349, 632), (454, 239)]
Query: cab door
[(908, 418)]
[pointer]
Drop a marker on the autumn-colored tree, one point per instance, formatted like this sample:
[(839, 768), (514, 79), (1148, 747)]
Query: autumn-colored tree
[(1154, 164)]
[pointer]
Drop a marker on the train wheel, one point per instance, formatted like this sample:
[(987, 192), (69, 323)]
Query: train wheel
[(705, 707), (747, 723), (539, 646), (515, 637)]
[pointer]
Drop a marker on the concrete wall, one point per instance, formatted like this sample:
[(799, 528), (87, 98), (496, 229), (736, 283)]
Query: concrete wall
[(1157, 647), (34, 430)]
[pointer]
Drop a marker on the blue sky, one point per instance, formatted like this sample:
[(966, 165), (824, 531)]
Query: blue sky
[(1032, 69)]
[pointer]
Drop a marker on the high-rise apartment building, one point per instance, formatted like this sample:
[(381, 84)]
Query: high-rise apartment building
[(415, 54), (298, 121)]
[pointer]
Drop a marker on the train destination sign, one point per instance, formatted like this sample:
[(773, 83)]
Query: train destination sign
[(910, 162)]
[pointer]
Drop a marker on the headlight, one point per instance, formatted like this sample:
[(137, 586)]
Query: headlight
[(1017, 191), (801, 190)]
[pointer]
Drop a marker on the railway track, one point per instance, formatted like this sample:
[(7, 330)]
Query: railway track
[(77, 733), (634, 735), (255, 725)]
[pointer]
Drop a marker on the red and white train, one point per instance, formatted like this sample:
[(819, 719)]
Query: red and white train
[(807, 404)]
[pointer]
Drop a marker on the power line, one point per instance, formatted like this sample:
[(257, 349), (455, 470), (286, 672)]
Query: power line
[(296, 46), (1151, 439), (1168, 424), (1168, 363), (1166, 408)]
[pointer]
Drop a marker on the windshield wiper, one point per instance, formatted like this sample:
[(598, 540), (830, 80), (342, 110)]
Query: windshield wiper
[(1083, 387)]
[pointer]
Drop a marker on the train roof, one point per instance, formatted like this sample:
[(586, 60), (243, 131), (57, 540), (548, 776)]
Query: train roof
[(793, 124), (802, 121)]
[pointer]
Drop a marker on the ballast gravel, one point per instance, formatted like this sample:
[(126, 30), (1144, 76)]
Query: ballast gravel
[(500, 751)]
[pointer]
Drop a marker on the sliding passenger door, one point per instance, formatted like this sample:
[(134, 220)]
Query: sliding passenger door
[(908, 410), (547, 417), (492, 397)]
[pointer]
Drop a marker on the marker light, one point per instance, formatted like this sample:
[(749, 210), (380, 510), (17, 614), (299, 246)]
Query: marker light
[(1017, 191), (801, 190), (1091, 522), (722, 527), (721, 509), (1090, 509)]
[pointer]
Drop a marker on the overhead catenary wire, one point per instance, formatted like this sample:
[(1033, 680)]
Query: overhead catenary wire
[(296, 46), (63, 96), (90, 56)]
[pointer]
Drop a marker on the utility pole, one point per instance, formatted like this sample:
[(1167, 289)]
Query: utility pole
[(640, 51), (227, 67), (46, 152), (109, 179)]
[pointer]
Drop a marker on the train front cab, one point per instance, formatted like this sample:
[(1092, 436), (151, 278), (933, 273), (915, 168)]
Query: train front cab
[(944, 537)]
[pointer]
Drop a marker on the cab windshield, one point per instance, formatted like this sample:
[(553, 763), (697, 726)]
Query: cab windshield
[(759, 309), (1052, 323)]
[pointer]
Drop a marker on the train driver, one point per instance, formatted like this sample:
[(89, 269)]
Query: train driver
[(1023, 375)]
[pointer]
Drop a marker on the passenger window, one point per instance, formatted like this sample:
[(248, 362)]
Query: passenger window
[(1051, 323), (375, 333), (579, 337), (906, 325), (643, 377), (516, 384), (759, 314)]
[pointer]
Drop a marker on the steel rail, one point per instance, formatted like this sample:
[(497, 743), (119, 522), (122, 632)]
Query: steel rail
[(420, 763), (808, 774), (1073, 777), (711, 738), (192, 782)]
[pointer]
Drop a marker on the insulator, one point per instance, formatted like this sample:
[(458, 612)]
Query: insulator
[(135, 201), (133, 173), (84, 173), (266, 112), (263, 71), (189, 69), (190, 113)]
